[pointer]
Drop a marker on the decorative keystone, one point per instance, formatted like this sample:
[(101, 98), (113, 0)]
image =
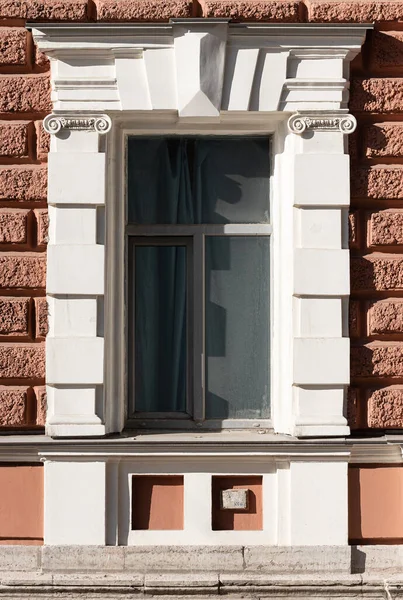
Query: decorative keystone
[(300, 123), (100, 123)]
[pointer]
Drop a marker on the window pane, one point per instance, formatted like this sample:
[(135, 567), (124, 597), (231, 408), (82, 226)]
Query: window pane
[(178, 180), (237, 327), (160, 328)]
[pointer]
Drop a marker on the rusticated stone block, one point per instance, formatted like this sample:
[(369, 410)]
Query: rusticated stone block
[(41, 317), (352, 407), (22, 361), (252, 10), (386, 228), (62, 10), (377, 182), (13, 43), (353, 226), (42, 141), (14, 316), (377, 359), (377, 95), (386, 317), (356, 11), (42, 221), (22, 270), (13, 226), (41, 405), (354, 318), (376, 272), (142, 10), (24, 93), (384, 140), (13, 139), (41, 60), (387, 49), (385, 408), (13, 402), (24, 182)]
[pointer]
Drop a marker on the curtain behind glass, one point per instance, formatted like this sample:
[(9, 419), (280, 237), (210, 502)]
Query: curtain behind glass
[(181, 180)]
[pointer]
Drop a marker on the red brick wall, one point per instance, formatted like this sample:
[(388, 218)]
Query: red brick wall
[(376, 396)]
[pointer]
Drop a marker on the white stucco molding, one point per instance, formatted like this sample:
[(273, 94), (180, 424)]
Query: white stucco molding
[(195, 76)]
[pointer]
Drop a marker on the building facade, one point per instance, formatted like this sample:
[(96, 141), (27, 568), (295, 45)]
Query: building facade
[(201, 297)]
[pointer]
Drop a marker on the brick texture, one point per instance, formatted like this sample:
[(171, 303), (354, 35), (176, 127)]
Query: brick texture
[(13, 226), (13, 43), (387, 49), (24, 93), (252, 10), (385, 408), (22, 361), (384, 140), (385, 228), (377, 95), (23, 182), (41, 405), (13, 403), (378, 182), (358, 11), (62, 10), (13, 139), (41, 317), (14, 314), (42, 223), (386, 317), (135, 10), (377, 359), (22, 270), (377, 273), (42, 141)]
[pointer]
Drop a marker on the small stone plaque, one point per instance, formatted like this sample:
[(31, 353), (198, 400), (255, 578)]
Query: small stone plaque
[(235, 499)]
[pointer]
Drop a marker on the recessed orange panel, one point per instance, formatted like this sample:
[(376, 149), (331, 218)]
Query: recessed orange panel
[(237, 520), (375, 503), (157, 502), (21, 504)]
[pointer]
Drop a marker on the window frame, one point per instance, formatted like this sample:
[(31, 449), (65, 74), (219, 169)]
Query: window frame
[(250, 128)]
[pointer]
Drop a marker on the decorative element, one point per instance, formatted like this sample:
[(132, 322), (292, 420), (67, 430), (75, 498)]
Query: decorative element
[(326, 122), (100, 123), (237, 499)]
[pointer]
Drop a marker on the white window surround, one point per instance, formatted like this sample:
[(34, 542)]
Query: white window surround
[(196, 76)]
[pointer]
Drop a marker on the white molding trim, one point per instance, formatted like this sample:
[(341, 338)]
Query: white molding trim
[(198, 75)]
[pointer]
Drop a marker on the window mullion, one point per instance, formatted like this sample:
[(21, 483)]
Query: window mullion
[(198, 327)]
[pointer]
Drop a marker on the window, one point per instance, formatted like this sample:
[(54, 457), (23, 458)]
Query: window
[(199, 280)]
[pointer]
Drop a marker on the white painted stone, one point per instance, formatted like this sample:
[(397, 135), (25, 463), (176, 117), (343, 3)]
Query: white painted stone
[(321, 272), (318, 317), (238, 88), (76, 178), (75, 511), (319, 228), (72, 317), (74, 360), (160, 70), (321, 361), (319, 405), (199, 59), (318, 507), (305, 67), (132, 81), (272, 80), (75, 270), (72, 405), (70, 225), (322, 180)]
